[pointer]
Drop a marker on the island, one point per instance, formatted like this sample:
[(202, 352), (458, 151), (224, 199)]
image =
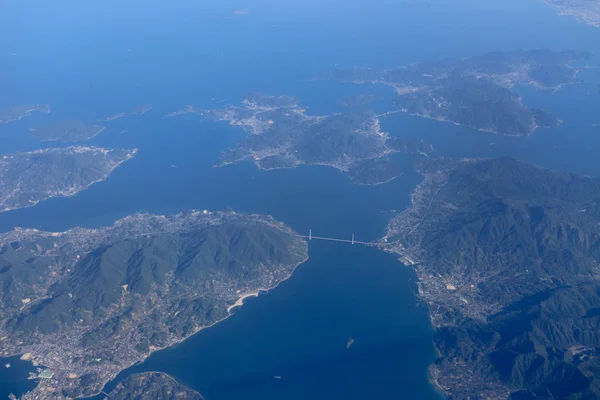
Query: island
[(152, 385), (476, 92), (30, 177), (88, 303), (507, 255), (280, 134), (586, 11), (141, 110), (16, 113), (66, 131)]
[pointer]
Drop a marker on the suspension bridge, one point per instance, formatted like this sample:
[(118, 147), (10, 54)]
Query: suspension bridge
[(310, 236)]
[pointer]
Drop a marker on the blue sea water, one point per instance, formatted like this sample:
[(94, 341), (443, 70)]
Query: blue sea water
[(14, 379), (92, 59), (299, 332)]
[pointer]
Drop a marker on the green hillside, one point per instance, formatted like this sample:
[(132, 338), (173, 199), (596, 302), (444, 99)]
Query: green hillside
[(508, 257)]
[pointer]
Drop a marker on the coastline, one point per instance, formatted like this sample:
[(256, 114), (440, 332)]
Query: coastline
[(130, 156), (112, 117), (564, 11), (175, 381), (240, 302), (27, 113), (433, 371), (59, 140), (343, 170), (492, 131), (255, 293), (377, 183)]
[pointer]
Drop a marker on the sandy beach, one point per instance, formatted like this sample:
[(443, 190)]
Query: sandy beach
[(239, 302)]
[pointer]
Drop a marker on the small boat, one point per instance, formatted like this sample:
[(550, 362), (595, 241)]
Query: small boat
[(349, 343), (7, 365), (277, 377)]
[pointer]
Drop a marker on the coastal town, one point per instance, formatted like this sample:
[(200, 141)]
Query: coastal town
[(79, 355)]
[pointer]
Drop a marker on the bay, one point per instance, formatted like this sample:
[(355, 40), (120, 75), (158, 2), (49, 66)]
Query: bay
[(92, 60), (291, 342)]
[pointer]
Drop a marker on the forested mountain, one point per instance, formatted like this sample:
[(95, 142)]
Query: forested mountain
[(508, 257), (88, 303)]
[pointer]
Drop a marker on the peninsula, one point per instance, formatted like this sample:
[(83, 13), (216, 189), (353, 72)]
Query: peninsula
[(88, 303), (30, 177)]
